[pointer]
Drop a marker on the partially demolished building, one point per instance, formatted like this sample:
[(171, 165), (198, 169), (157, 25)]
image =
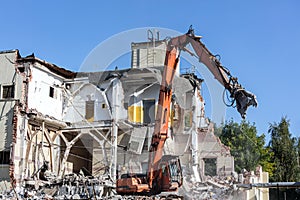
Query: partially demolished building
[(31, 105), (55, 122)]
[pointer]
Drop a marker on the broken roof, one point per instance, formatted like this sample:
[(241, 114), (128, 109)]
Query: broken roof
[(9, 51), (137, 79), (97, 78), (52, 67)]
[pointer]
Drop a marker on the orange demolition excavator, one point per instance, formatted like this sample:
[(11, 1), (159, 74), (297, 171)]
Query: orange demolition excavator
[(164, 171)]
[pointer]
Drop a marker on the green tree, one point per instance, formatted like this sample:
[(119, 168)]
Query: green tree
[(246, 146), (285, 152)]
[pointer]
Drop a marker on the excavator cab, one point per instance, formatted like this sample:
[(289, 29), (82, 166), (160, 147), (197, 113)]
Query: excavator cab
[(170, 179), (171, 173)]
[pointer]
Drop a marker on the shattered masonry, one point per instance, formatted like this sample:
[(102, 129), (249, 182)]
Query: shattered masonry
[(59, 126)]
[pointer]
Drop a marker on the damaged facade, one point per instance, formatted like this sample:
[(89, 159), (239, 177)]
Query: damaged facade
[(31, 133), (55, 123)]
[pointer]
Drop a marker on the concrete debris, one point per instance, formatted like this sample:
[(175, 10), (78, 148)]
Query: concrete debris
[(72, 186), (211, 187), (78, 186), (228, 187)]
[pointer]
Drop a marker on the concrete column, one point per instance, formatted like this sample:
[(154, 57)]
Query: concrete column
[(115, 117), (195, 146)]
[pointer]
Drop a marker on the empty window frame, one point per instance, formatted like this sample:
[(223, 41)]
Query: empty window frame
[(149, 111), (89, 110), (210, 166), (4, 157), (52, 92), (8, 91)]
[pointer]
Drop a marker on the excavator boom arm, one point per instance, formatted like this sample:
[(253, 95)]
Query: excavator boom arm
[(240, 96), (162, 115), (243, 100)]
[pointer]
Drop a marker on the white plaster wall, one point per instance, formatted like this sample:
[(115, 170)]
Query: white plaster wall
[(149, 55), (122, 112), (149, 93), (75, 110), (225, 165), (8, 73), (6, 127), (39, 89), (8, 76)]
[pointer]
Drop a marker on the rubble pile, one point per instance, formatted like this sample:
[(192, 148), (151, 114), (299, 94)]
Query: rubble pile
[(213, 188), (85, 186), (72, 186)]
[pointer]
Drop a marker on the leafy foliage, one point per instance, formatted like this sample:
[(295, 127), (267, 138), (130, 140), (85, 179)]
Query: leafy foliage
[(285, 150), (280, 157), (246, 146)]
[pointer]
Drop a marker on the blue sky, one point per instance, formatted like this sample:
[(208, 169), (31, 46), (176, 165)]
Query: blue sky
[(258, 40)]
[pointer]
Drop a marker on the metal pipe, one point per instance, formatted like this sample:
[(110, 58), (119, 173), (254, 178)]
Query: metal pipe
[(270, 185)]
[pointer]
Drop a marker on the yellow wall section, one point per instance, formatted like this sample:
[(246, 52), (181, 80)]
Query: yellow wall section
[(138, 114), (135, 114), (91, 119), (131, 113)]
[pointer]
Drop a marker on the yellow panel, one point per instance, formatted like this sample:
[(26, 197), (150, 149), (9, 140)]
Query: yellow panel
[(142, 114), (91, 119), (135, 114), (138, 114), (131, 113)]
